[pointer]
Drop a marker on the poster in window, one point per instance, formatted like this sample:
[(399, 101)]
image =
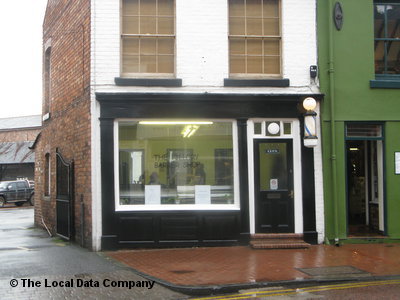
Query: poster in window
[(202, 194), (152, 194)]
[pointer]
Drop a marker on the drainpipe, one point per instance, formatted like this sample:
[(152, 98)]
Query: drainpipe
[(332, 116)]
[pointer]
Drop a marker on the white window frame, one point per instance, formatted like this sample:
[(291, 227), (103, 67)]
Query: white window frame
[(175, 207), (144, 74), (259, 75)]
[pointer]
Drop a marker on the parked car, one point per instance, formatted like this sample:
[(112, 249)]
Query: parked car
[(17, 192)]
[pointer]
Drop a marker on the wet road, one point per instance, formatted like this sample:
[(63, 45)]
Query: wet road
[(35, 263), (380, 289)]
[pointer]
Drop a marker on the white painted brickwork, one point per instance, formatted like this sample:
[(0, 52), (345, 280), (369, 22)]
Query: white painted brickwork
[(202, 41)]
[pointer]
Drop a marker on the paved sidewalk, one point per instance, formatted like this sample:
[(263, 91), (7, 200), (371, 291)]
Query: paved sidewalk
[(35, 266), (231, 268)]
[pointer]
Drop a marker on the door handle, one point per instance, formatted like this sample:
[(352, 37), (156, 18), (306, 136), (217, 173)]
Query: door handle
[(291, 194)]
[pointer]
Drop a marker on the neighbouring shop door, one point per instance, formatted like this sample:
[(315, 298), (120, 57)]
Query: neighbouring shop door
[(64, 198), (274, 195)]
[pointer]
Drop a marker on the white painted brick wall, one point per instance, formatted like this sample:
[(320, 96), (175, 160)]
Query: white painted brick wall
[(299, 44), (105, 44), (202, 41)]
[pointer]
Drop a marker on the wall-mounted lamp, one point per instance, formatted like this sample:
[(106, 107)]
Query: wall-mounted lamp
[(310, 123)]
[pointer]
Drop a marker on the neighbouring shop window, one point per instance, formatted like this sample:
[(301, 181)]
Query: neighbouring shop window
[(254, 37), (387, 42), (175, 164), (148, 37)]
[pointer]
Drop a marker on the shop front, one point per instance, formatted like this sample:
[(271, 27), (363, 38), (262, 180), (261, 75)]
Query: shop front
[(203, 169)]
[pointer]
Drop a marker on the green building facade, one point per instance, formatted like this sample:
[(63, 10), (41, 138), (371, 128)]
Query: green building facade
[(359, 73)]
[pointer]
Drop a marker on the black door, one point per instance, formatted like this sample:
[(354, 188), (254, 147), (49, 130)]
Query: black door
[(64, 198), (274, 186)]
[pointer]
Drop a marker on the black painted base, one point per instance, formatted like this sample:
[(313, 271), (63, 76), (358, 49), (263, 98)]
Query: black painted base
[(311, 237)]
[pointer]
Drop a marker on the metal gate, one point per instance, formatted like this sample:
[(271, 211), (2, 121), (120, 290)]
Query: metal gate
[(64, 197)]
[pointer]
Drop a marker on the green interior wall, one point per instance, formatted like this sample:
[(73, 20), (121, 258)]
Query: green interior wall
[(204, 150), (353, 66)]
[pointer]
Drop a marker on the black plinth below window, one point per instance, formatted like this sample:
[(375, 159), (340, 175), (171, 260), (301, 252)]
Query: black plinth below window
[(256, 82), (166, 82)]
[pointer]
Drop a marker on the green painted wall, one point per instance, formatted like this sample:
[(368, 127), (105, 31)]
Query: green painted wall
[(354, 100)]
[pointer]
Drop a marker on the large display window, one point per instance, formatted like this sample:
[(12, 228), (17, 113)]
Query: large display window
[(176, 165)]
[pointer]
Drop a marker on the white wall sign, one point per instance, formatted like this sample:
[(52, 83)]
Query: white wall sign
[(397, 162), (152, 194), (202, 194)]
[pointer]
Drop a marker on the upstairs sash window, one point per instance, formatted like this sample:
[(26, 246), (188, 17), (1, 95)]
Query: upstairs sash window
[(148, 37), (254, 38)]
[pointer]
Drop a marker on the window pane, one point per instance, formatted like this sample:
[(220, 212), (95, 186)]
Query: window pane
[(236, 8), (254, 64), (274, 177), (254, 26), (254, 46), (130, 25), (165, 46), (270, 8), (364, 130), (379, 57), (165, 64), (131, 7), (393, 19), (237, 26), (253, 8), (393, 58), (257, 128), (130, 64), (379, 23), (237, 46), (148, 7), (130, 45), (148, 25), (272, 65), (271, 27), (271, 47), (287, 128), (166, 25), (165, 7), (238, 64), (148, 46), (175, 164), (148, 63)]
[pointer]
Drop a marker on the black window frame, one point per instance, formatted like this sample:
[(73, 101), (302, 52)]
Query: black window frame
[(386, 40)]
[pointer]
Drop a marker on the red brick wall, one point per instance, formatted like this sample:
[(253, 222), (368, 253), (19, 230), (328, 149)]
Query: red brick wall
[(67, 25)]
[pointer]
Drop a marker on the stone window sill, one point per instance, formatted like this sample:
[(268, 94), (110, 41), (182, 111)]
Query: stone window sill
[(230, 82), (166, 82), (385, 82)]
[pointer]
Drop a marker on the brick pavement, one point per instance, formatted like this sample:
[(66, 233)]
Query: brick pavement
[(243, 265)]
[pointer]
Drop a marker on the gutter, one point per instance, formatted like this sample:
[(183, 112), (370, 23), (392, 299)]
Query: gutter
[(331, 71)]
